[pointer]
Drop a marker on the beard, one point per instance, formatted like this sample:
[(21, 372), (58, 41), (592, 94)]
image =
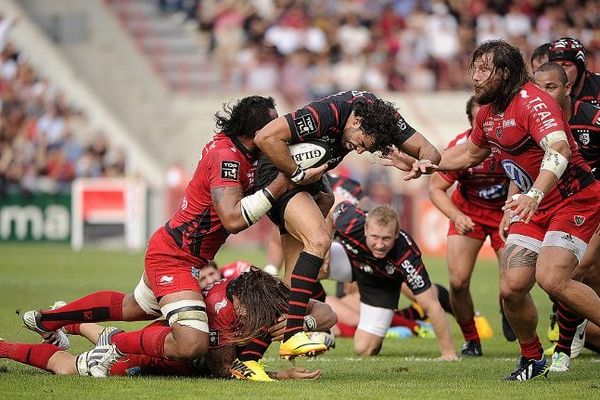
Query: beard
[(488, 91), (486, 95)]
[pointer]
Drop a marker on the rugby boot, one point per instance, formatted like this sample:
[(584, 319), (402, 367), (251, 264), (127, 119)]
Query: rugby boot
[(579, 339), (550, 350), (249, 371), (327, 338), (32, 321), (528, 369), (424, 330), (301, 345), (105, 337), (553, 333), (560, 362), (102, 359), (471, 348)]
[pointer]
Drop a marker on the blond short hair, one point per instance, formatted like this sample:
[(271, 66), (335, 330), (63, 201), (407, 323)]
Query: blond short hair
[(383, 215)]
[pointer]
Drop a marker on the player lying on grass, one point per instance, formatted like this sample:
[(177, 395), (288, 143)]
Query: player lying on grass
[(238, 310)]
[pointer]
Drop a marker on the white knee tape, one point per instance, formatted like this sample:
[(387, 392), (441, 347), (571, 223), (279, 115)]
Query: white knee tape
[(190, 313)]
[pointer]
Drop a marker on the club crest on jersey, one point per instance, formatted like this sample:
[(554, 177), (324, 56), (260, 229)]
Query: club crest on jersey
[(230, 170), (305, 125), (579, 220), (499, 131), (584, 138), (389, 268)]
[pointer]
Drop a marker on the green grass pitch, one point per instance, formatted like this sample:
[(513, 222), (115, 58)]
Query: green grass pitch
[(34, 276)]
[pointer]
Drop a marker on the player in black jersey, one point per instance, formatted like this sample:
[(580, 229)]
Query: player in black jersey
[(584, 120), (372, 250), (347, 121), (570, 53)]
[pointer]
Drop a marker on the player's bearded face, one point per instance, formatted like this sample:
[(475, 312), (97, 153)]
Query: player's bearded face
[(380, 238), (487, 79)]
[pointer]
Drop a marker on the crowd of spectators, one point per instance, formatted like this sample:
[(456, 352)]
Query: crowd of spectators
[(309, 48), (45, 142)]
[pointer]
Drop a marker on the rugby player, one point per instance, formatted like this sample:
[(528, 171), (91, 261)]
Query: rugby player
[(584, 120), (475, 212), (237, 309), (346, 121), (372, 250), (559, 209), (218, 201)]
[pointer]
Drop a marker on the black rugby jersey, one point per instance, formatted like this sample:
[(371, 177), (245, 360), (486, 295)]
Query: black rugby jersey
[(325, 119)]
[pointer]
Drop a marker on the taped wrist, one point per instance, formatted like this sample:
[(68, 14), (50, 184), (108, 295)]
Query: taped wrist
[(310, 323), (256, 205), (298, 175), (535, 194)]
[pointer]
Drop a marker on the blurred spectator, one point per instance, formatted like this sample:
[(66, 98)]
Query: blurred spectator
[(381, 44), (41, 135)]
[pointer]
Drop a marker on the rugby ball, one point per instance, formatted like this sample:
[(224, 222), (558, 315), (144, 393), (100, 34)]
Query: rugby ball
[(310, 154)]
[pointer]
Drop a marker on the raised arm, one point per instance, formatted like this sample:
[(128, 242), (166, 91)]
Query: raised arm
[(462, 156)]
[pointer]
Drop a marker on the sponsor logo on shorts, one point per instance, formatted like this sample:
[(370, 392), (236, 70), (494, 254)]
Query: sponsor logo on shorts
[(230, 170), (305, 125), (567, 237), (166, 280), (579, 220)]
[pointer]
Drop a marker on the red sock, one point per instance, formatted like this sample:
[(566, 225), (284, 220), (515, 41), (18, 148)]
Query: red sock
[(149, 341), (36, 355), (346, 330), (100, 306), (469, 330), (532, 350), (399, 320), (73, 329)]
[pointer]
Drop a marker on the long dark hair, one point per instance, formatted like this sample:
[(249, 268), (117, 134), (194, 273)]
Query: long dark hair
[(380, 120), (263, 299), (507, 60), (246, 116)]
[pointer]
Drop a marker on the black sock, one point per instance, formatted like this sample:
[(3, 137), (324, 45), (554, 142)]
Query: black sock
[(567, 325), (256, 348), (444, 298), (304, 279), (318, 293)]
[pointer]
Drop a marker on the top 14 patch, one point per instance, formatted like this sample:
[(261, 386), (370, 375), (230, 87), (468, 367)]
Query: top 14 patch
[(305, 125), (230, 170)]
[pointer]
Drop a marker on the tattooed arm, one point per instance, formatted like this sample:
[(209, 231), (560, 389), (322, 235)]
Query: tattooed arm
[(227, 202)]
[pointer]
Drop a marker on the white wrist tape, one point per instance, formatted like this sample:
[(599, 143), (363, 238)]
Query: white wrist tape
[(535, 194), (554, 162), (271, 270), (255, 206), (310, 323)]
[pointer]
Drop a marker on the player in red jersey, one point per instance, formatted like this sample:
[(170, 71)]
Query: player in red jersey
[(346, 121), (584, 120), (475, 212), (372, 250), (570, 53), (218, 201), (559, 208), (237, 309)]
